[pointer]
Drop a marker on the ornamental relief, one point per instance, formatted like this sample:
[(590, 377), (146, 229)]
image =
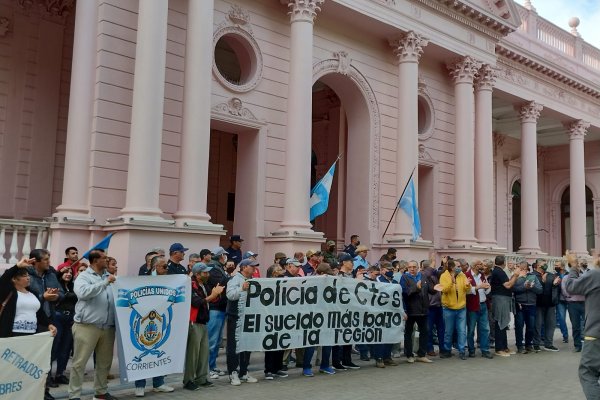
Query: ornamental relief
[(235, 108)]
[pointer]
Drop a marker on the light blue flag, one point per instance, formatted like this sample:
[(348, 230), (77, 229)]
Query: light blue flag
[(408, 203), (319, 197), (101, 245)]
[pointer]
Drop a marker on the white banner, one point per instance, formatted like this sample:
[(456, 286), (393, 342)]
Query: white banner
[(25, 363), (152, 314), (291, 313)]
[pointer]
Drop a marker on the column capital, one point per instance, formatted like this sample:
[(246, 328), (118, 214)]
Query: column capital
[(529, 112), (577, 129), (486, 77), (303, 10), (463, 70), (408, 47)]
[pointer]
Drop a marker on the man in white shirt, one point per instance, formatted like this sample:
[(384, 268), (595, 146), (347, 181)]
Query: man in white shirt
[(477, 312)]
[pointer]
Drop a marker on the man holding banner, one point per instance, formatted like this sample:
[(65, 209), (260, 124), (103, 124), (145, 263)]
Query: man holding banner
[(94, 327)]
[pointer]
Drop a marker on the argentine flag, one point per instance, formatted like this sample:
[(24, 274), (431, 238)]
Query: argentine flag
[(408, 203), (319, 196)]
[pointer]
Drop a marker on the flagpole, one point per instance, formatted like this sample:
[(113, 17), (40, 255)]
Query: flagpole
[(398, 203)]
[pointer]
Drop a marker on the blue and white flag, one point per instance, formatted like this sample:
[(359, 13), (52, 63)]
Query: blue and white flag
[(319, 196), (408, 203), (101, 245)]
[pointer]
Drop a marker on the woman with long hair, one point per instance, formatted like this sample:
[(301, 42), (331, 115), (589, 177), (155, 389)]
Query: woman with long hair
[(63, 319)]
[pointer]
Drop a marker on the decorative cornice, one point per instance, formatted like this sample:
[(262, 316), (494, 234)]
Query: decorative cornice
[(463, 70), (529, 112), (486, 77), (472, 17), (577, 129), (234, 107), (408, 47), (555, 75), (303, 10), (4, 26)]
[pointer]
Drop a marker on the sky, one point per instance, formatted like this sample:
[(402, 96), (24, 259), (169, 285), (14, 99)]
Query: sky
[(559, 11)]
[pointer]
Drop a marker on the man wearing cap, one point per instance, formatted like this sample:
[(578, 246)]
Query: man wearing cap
[(237, 362), (313, 262), (217, 276), (330, 256), (292, 268), (360, 260), (234, 251), (176, 256), (253, 256), (196, 356)]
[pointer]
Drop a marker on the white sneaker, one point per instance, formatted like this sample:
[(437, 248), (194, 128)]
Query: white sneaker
[(248, 378), (163, 389), (214, 375), (218, 371), (139, 392), (235, 379)]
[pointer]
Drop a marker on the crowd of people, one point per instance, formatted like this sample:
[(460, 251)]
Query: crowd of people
[(458, 306)]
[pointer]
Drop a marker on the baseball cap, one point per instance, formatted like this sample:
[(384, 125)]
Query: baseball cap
[(330, 243), (293, 261), (218, 251), (200, 267), (248, 262), (324, 269), (177, 247), (204, 252), (312, 252), (344, 257), (280, 255), (236, 238), (249, 254)]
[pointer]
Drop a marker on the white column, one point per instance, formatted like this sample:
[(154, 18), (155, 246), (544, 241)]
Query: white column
[(195, 141), (577, 206), (530, 242), (79, 126), (299, 124), (143, 178), (485, 229), (408, 48), (463, 72)]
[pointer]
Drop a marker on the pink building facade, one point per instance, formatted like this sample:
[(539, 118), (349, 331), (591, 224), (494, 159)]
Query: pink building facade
[(190, 121)]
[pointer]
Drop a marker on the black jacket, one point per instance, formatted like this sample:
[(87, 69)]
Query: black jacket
[(416, 301), (550, 294), (217, 275), (8, 315), (199, 302)]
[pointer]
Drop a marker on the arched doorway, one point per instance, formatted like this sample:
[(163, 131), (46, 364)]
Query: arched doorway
[(516, 215), (565, 217), (342, 125)]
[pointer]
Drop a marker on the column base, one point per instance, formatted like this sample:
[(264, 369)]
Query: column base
[(531, 250), (141, 212), (189, 219), (74, 211), (464, 244)]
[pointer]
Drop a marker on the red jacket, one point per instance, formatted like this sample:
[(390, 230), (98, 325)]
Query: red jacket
[(473, 303)]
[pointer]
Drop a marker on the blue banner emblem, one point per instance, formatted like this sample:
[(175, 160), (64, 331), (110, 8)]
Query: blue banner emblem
[(150, 329)]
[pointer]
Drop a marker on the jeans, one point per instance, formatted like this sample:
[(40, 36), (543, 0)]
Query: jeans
[(455, 320), (421, 321), (479, 318), (215, 336), (382, 351), (525, 316), (561, 314), (235, 359), (157, 381), (435, 318), (63, 341), (307, 357), (325, 356), (547, 317), (577, 317)]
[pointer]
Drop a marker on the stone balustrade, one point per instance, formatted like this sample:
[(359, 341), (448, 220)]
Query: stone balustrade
[(18, 238)]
